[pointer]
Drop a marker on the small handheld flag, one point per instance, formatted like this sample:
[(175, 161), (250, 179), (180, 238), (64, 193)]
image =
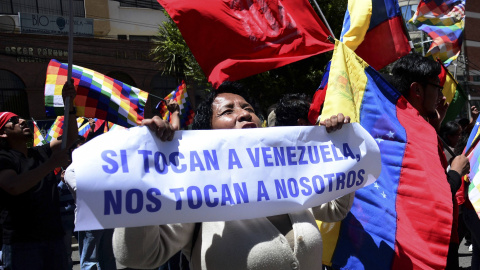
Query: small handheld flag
[(55, 130), (38, 138), (180, 95)]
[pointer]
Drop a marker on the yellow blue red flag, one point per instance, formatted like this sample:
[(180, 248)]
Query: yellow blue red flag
[(386, 227), (374, 30)]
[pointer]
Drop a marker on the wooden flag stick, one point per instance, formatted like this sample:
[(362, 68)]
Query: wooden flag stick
[(66, 104)]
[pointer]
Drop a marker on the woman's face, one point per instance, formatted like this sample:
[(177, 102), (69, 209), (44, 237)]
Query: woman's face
[(232, 111)]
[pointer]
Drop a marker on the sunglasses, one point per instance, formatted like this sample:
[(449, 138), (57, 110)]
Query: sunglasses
[(439, 87), (14, 120)]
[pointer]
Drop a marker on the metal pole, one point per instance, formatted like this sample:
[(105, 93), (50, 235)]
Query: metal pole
[(323, 18), (69, 77), (408, 8), (455, 71)]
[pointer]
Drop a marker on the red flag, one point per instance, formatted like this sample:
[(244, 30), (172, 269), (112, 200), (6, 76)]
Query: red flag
[(234, 39)]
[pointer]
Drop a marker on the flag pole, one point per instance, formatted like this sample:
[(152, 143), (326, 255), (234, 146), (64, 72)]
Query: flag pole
[(162, 99), (69, 77), (447, 147), (405, 30), (472, 146), (324, 19)]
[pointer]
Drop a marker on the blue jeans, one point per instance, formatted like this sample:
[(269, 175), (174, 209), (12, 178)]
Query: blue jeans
[(96, 252), (44, 255)]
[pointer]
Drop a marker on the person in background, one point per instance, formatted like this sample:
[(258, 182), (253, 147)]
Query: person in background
[(67, 207), (450, 134), (94, 246), (292, 110), (32, 227), (467, 125)]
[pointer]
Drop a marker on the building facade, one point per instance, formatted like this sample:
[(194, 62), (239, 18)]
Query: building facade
[(111, 37)]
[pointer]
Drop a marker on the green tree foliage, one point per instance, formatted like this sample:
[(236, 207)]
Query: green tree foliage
[(267, 88), (172, 53)]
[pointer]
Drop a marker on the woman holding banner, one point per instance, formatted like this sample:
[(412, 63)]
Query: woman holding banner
[(289, 241)]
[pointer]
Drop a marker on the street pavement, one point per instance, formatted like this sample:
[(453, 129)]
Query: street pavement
[(464, 256), (75, 254)]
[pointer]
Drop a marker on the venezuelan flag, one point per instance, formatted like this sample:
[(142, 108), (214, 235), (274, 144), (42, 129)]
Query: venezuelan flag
[(403, 221), (84, 130), (374, 30)]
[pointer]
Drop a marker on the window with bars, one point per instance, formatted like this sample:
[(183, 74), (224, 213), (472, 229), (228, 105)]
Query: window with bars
[(153, 4), (162, 85), (46, 7)]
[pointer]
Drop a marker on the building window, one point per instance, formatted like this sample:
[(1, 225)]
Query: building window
[(163, 85), (123, 77), (476, 78), (13, 97), (45, 7), (141, 38), (153, 4), (460, 78)]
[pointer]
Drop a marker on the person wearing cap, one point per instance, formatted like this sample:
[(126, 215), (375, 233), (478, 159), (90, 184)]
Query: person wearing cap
[(29, 202)]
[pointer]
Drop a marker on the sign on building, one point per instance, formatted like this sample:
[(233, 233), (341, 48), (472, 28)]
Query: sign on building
[(54, 25)]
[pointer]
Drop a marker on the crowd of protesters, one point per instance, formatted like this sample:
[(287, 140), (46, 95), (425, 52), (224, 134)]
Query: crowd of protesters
[(37, 209)]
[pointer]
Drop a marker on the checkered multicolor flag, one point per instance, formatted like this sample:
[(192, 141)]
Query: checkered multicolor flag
[(98, 96), (443, 21), (186, 111), (38, 139), (111, 126), (55, 130)]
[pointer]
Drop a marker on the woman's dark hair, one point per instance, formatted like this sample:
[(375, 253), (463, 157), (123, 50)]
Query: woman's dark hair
[(450, 128), (204, 111), (290, 108), (413, 68), (462, 142)]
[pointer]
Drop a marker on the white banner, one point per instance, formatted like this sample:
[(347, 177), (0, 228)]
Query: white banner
[(130, 178)]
